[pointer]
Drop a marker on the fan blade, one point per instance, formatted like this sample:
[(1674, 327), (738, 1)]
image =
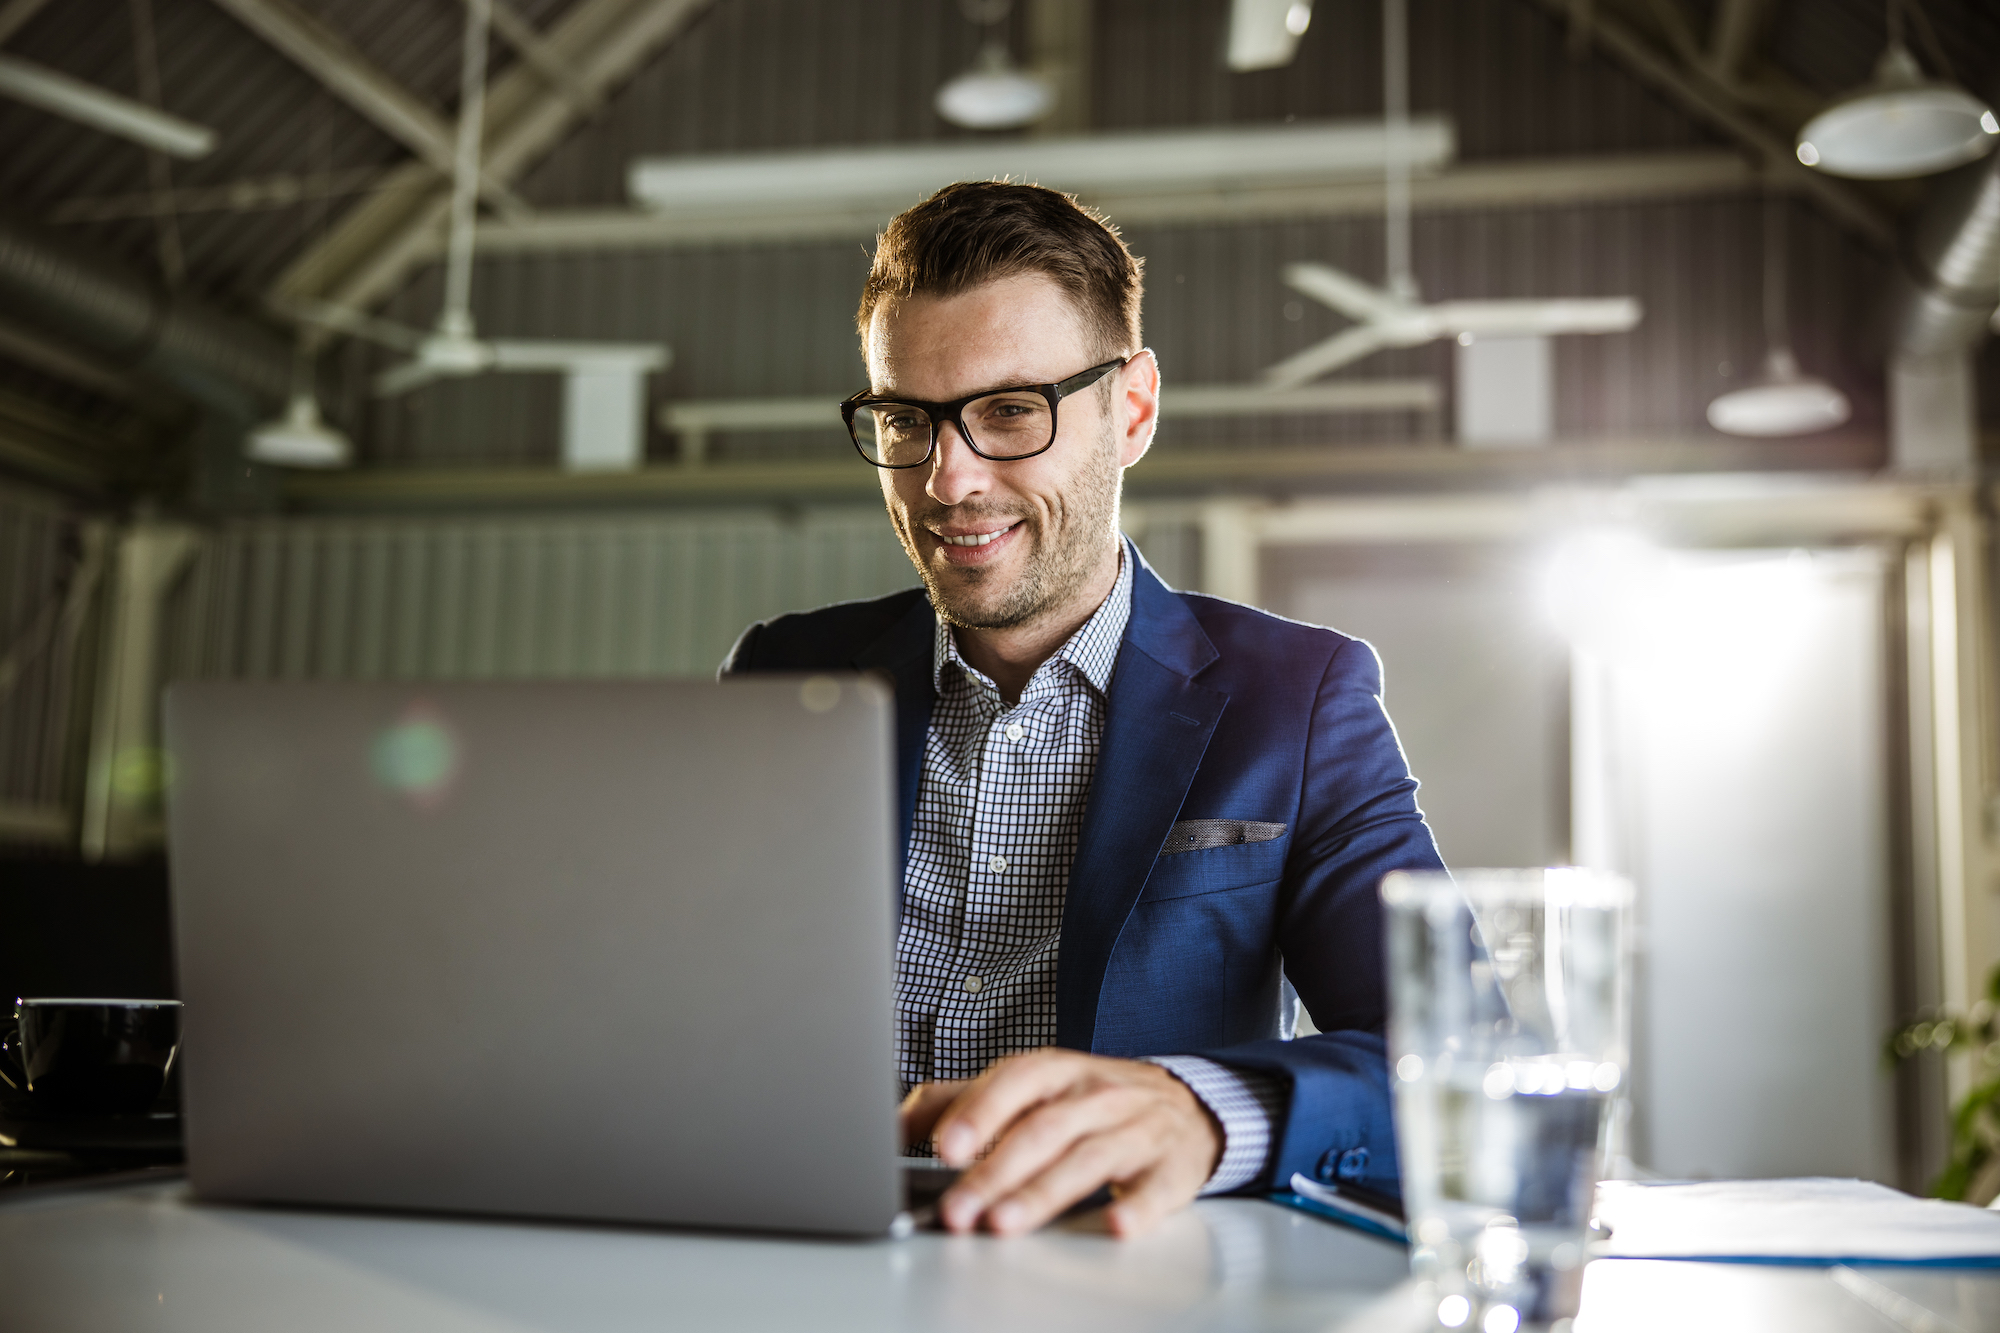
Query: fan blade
[(1347, 346), (344, 319), (1349, 295), (1518, 318), (398, 380), (545, 354)]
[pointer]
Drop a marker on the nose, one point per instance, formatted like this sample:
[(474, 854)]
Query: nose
[(957, 473)]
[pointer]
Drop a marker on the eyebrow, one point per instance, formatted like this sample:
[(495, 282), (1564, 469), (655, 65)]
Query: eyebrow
[(1020, 379)]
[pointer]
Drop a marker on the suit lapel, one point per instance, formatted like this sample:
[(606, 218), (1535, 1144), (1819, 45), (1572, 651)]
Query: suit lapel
[(1157, 725), (904, 652)]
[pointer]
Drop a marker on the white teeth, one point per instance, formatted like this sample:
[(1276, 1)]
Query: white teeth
[(976, 539)]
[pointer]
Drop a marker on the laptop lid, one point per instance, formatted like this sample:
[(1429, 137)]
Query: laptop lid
[(616, 951)]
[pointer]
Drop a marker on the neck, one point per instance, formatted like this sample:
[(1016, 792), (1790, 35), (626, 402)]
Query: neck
[(1009, 657)]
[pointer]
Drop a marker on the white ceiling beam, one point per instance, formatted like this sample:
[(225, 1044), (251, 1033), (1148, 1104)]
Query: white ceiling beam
[(249, 194), (81, 368), (345, 72), (15, 15), (1516, 184), (1708, 102), (372, 250), (606, 42), (1059, 42), (1733, 36), (518, 33), (838, 475), (1177, 402), (1719, 510)]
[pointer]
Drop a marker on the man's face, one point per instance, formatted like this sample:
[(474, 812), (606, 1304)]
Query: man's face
[(1001, 544)]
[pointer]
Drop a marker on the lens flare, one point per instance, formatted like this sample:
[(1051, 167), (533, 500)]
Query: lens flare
[(140, 773), (418, 757), (819, 694)]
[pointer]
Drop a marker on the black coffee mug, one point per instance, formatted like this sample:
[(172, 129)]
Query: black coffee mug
[(90, 1057)]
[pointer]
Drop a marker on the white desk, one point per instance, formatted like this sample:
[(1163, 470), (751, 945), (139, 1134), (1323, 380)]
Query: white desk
[(153, 1258)]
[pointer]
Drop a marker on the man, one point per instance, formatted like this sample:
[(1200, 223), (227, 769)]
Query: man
[(1124, 809)]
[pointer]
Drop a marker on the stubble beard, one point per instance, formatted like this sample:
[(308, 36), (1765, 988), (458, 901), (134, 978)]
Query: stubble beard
[(1058, 563)]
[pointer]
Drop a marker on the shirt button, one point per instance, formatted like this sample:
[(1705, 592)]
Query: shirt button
[(997, 864), (973, 985), (1015, 731)]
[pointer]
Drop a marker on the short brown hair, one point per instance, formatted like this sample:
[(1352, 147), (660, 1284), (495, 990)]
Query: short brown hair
[(977, 231)]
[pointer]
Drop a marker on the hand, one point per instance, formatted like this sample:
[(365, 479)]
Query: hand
[(1063, 1123)]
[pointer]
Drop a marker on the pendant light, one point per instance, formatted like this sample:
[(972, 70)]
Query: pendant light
[(994, 94), (1264, 34), (299, 438), (1900, 123), (1784, 400)]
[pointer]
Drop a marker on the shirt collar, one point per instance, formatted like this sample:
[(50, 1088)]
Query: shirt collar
[(1090, 652)]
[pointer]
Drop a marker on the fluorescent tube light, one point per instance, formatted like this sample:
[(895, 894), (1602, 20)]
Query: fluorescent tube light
[(897, 175), (87, 104)]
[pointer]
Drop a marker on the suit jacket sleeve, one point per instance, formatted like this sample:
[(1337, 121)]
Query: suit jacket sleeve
[(1357, 822)]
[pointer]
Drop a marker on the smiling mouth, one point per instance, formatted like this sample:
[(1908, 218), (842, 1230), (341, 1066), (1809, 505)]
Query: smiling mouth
[(977, 538)]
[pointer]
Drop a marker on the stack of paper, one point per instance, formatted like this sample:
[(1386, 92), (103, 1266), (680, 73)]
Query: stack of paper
[(1816, 1222)]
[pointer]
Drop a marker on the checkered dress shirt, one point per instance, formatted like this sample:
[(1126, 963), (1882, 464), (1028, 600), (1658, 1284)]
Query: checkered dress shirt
[(999, 810)]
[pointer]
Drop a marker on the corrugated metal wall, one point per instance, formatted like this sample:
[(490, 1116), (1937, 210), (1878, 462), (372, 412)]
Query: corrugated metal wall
[(47, 583), (479, 598), (568, 597), (640, 595)]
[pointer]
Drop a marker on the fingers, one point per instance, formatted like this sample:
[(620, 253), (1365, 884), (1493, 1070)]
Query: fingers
[(1145, 1200), (1089, 1163), (1067, 1123), (927, 1101), (1000, 1095), (1045, 1147)]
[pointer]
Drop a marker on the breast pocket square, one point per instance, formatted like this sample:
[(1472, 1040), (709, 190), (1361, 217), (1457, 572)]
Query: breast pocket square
[(1193, 835)]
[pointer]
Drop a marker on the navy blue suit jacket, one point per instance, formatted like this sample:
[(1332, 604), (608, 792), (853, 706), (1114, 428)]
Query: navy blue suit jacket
[(1216, 711)]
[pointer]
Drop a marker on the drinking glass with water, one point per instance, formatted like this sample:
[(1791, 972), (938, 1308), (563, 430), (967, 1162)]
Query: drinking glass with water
[(1509, 1032)]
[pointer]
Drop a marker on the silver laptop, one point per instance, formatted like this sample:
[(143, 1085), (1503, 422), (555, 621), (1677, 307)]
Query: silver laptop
[(607, 951)]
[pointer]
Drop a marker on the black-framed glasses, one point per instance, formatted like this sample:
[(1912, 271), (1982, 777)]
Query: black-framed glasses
[(999, 424)]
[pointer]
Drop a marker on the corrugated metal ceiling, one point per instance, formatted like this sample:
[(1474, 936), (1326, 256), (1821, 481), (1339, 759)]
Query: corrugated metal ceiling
[(794, 73), (787, 73), (272, 117)]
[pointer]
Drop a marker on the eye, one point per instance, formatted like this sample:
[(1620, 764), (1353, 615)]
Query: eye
[(1009, 413)]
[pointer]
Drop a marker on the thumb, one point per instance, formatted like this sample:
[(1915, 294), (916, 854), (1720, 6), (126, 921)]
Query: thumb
[(926, 1103)]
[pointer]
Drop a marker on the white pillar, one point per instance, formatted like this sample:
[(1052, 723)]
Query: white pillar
[(122, 786), (1229, 550)]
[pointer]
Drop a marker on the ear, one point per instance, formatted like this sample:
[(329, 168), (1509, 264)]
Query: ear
[(1138, 406)]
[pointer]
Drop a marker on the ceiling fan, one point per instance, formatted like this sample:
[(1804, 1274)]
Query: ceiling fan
[(605, 378), (1384, 319), (1395, 315)]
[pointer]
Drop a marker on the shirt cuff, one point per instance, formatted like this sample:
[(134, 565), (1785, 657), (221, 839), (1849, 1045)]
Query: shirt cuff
[(1247, 1106)]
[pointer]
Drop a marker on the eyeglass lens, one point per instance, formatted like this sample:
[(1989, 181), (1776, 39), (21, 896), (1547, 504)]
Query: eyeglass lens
[(1001, 425)]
